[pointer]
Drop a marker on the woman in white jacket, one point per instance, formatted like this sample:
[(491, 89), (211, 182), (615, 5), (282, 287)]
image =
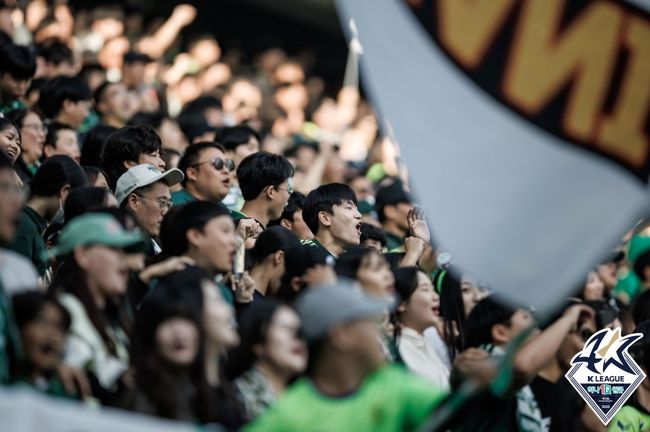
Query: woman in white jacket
[(417, 310), (93, 274)]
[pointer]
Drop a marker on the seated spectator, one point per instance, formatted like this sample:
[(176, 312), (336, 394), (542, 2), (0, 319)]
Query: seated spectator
[(17, 68), (393, 205), (269, 260), (347, 373), (291, 217), (208, 174), (32, 139), (113, 104), (168, 360), (61, 139), (93, 274), (331, 214), (368, 267), (43, 324), (128, 147), (419, 309), (270, 355), (10, 140), (143, 192), (220, 335), (65, 100), (50, 187), (265, 182)]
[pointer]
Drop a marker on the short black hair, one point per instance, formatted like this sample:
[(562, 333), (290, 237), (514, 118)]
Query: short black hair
[(59, 89), (324, 198), (55, 173), (271, 240), (296, 203), (28, 305), (192, 155), (349, 262), (17, 61), (55, 52), (94, 143), (260, 170), (233, 137), (486, 314), (53, 133), (98, 94), (179, 220), (371, 232), (82, 200), (127, 144)]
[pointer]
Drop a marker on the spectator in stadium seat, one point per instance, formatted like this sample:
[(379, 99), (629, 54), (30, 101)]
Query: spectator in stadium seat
[(61, 139), (17, 68), (65, 100), (32, 139), (114, 104), (291, 217)]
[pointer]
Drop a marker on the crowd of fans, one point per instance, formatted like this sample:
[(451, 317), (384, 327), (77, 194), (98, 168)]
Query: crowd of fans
[(198, 238)]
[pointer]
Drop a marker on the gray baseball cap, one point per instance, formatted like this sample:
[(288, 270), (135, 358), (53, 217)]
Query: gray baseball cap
[(324, 307), (143, 175)]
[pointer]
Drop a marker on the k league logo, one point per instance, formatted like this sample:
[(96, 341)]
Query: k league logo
[(604, 373)]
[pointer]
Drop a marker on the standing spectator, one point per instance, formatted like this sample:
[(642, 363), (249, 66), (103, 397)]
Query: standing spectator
[(239, 142), (419, 309), (128, 147), (51, 184), (305, 266), (65, 100), (346, 373), (270, 355), (93, 274), (17, 68), (61, 139), (58, 59), (143, 192), (207, 172), (266, 185), (94, 143), (372, 237), (393, 205), (331, 214), (32, 134), (170, 133), (368, 267), (291, 217)]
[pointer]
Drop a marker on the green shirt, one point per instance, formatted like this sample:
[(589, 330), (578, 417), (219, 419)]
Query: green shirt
[(236, 215), (391, 399), (182, 197), (631, 418), (316, 243), (394, 243), (29, 238), (11, 106)]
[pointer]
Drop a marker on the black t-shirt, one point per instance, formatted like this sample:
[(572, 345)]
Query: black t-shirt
[(559, 403)]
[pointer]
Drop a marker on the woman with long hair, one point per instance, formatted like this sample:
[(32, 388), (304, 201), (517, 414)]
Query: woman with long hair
[(418, 309), (369, 268), (93, 276), (167, 356), (220, 335), (32, 134), (270, 355)]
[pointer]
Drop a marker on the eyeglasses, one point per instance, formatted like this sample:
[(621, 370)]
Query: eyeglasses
[(36, 127), (163, 204), (218, 163), (289, 190)]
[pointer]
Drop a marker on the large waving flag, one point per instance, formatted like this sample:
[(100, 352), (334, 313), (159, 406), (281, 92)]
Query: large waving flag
[(524, 124)]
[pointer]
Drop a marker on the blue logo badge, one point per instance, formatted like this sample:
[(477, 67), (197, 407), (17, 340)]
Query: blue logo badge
[(604, 374)]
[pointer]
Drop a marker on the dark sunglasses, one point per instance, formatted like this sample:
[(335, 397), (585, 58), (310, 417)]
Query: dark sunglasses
[(218, 163)]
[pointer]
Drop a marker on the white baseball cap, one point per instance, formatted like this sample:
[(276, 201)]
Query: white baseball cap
[(143, 175)]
